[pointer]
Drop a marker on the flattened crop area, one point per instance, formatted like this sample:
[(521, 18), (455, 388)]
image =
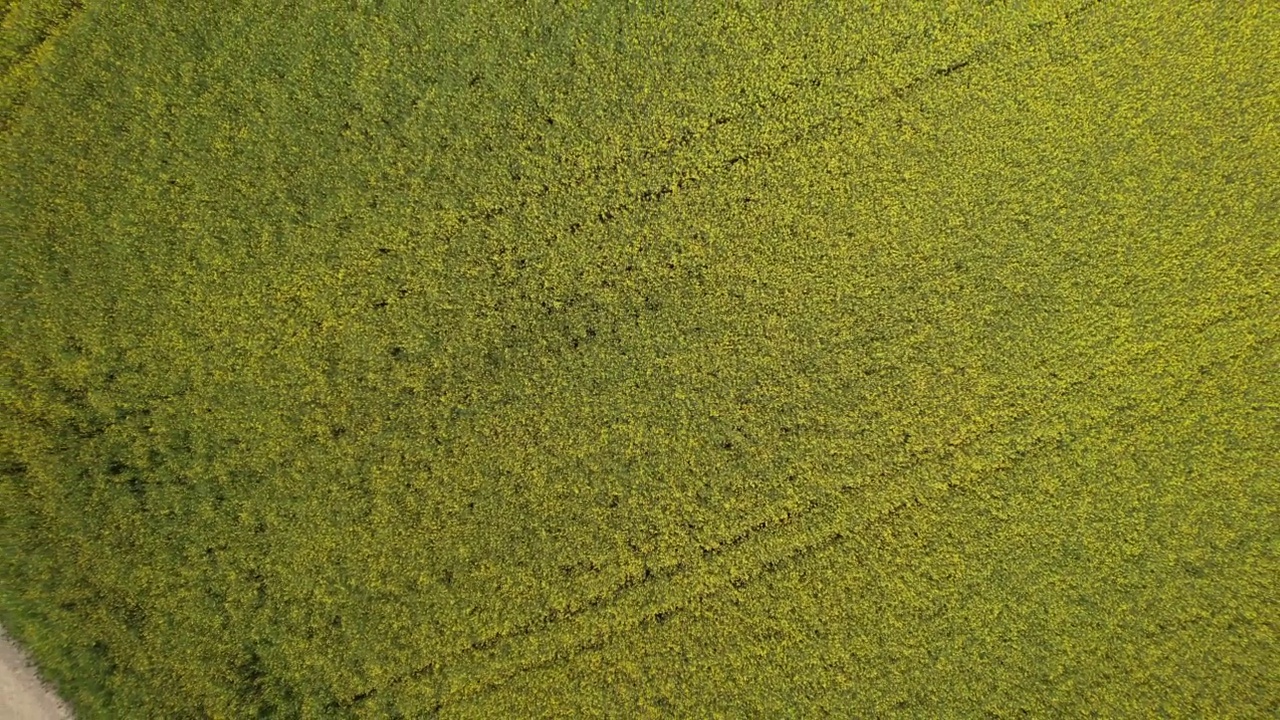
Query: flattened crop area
[(416, 359)]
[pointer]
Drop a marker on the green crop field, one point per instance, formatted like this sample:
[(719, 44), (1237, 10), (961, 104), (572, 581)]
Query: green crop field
[(391, 359)]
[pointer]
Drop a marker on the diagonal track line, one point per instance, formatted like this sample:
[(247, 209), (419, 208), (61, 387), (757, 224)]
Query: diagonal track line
[(17, 79), (832, 518), (733, 546), (832, 535), (694, 178)]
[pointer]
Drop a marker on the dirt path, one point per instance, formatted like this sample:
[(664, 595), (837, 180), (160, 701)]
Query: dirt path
[(23, 696)]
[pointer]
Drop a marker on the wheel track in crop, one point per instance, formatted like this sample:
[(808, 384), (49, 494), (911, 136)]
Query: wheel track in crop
[(693, 178), (797, 90), (704, 567), (19, 74), (822, 523), (641, 200)]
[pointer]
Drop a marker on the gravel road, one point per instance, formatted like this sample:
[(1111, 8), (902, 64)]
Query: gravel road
[(23, 696)]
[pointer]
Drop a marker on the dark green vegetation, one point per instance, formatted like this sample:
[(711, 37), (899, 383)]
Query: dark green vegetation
[(399, 357)]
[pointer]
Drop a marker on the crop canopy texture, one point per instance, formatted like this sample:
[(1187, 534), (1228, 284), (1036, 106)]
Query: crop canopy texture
[(382, 359)]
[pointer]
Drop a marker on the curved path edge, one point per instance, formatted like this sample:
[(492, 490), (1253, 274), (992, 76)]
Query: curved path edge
[(23, 695)]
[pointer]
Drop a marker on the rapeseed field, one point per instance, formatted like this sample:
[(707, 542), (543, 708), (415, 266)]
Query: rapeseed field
[(390, 359)]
